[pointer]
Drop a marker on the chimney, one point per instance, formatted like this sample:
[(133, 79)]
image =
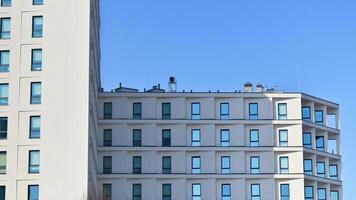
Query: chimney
[(248, 87), (259, 87)]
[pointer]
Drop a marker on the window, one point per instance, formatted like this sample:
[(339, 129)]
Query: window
[(334, 195), (108, 110), (137, 164), (34, 162), (253, 111), (320, 143), (35, 127), (255, 192), (137, 110), (196, 193), (283, 138), (285, 192), (4, 93), (166, 191), (5, 28), (283, 165), (2, 192), (307, 141), (195, 164), (225, 164), (254, 138), (225, 192), (33, 192), (36, 60), (136, 192), (4, 61), (107, 164), (107, 137), (308, 193), (224, 111), (166, 164), (5, 3), (37, 2), (35, 93), (254, 164), (225, 137), (37, 26), (308, 167), (282, 111), (136, 137), (319, 117), (107, 190), (321, 194), (195, 137), (2, 162), (166, 137), (306, 113), (166, 110), (320, 169), (333, 172), (3, 128), (195, 109)]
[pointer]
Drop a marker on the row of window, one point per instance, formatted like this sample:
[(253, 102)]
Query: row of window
[(36, 60), (33, 162), (319, 115), (34, 131), (7, 3), (32, 192), (320, 169), (35, 93), (37, 27)]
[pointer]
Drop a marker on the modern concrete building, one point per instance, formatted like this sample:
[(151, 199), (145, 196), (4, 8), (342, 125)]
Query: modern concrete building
[(63, 137)]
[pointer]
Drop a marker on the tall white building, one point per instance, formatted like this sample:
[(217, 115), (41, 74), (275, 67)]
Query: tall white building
[(63, 137)]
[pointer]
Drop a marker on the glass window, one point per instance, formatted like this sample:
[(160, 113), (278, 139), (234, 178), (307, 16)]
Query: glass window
[(283, 138), (37, 2), (306, 113), (137, 160), (334, 195), (195, 110), (225, 192), (35, 93), (36, 60), (255, 192), (224, 111), (285, 192), (166, 110), (225, 137), (166, 191), (196, 137), (33, 192), (254, 138), (283, 165), (319, 117), (37, 26), (35, 127), (2, 162), (34, 162), (308, 167), (136, 137), (254, 164), (107, 110), (4, 93), (3, 128), (5, 3), (333, 172), (253, 111), (195, 164), (107, 137), (166, 164), (320, 169), (308, 193), (107, 164), (307, 141), (137, 110), (5, 28), (136, 192), (196, 193), (107, 191), (282, 111), (225, 164), (4, 61), (321, 194), (320, 143), (166, 137), (2, 192)]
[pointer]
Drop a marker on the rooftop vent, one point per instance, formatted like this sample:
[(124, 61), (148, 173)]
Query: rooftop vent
[(259, 88), (248, 87), (125, 89), (156, 89)]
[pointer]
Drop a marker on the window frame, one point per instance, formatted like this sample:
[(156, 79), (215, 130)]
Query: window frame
[(6, 33), (29, 191), (223, 142), (225, 196), (137, 114), (35, 99), (107, 195), (107, 165), (337, 193), (31, 131), (312, 193), (320, 148), (283, 170), (4, 67), (308, 171), (253, 169), (282, 143), (195, 143), (107, 133), (35, 3), (107, 106), (322, 189), (196, 169), (134, 195), (252, 116), (37, 33), (166, 141), (138, 169), (224, 116), (3, 168), (307, 145), (3, 191), (332, 176), (196, 196), (6, 128), (255, 196), (282, 116), (318, 173), (195, 116), (136, 137), (308, 118), (284, 196), (30, 165), (3, 3), (225, 169), (4, 101), (166, 115), (254, 143), (166, 170), (322, 117), (164, 195), (36, 66)]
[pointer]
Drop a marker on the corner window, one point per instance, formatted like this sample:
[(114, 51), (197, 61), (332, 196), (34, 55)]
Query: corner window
[(308, 167), (225, 192), (319, 117), (225, 164), (137, 110), (107, 164), (37, 2), (33, 192), (195, 137), (283, 165), (166, 110), (320, 169), (255, 192), (136, 192), (166, 137), (253, 111), (2, 162), (225, 137), (283, 138), (137, 164), (321, 194), (285, 192), (34, 162), (254, 164), (4, 61), (35, 127), (5, 28), (136, 137), (3, 128), (195, 164), (306, 116), (308, 193), (195, 110), (282, 111), (107, 191), (254, 138), (36, 60), (320, 143), (37, 26), (166, 164), (333, 172), (166, 191), (35, 93), (107, 110), (224, 111), (196, 191), (5, 3), (334, 195), (107, 137)]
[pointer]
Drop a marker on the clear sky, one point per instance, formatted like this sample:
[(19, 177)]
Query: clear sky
[(307, 46)]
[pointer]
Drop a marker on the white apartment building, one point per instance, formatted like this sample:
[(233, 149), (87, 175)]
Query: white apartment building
[(62, 137)]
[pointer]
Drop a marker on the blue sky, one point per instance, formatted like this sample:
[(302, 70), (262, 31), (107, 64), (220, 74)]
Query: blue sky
[(307, 46)]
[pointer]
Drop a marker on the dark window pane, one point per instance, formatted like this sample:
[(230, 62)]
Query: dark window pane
[(320, 143), (35, 127), (166, 164), (137, 164), (3, 128), (37, 26), (107, 191), (166, 110), (35, 93), (137, 137), (36, 63), (137, 111), (108, 110), (34, 161), (107, 164), (107, 137), (166, 137), (33, 192)]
